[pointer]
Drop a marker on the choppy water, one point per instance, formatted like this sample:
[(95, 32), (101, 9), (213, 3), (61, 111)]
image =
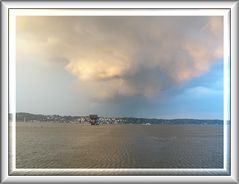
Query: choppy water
[(60, 145)]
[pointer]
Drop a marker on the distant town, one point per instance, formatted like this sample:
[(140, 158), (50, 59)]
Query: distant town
[(97, 120)]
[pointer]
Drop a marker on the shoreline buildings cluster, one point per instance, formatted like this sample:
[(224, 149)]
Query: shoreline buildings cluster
[(95, 120)]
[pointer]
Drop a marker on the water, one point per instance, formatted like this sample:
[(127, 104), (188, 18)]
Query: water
[(62, 145)]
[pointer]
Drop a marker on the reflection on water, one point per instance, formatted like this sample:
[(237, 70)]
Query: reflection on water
[(59, 145)]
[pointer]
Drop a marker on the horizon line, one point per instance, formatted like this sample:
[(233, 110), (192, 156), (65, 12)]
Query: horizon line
[(122, 116)]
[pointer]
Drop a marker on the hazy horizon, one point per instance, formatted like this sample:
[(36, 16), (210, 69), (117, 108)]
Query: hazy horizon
[(161, 67), (139, 117)]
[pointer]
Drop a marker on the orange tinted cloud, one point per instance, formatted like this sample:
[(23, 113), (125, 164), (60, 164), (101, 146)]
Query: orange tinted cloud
[(124, 56)]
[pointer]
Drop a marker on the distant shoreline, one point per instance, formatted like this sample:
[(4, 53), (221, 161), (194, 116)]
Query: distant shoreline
[(126, 124), (28, 117)]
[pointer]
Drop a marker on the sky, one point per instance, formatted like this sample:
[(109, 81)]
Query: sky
[(134, 66)]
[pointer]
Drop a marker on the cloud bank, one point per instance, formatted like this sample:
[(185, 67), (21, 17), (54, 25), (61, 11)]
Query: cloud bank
[(124, 56)]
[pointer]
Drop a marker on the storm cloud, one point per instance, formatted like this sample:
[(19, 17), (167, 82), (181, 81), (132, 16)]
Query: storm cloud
[(117, 57)]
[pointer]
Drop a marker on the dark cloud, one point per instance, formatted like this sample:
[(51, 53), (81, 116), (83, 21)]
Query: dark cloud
[(123, 59)]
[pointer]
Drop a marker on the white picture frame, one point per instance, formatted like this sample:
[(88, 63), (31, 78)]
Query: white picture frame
[(11, 9)]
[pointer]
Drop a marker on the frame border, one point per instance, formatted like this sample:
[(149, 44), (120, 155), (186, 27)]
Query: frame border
[(231, 5)]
